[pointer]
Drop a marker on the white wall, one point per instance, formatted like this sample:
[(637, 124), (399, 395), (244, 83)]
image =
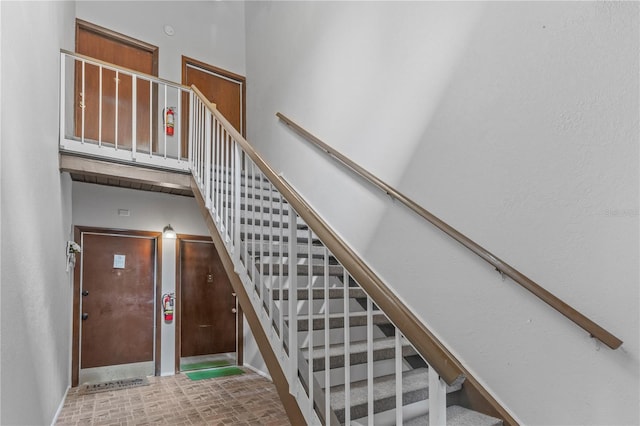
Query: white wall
[(95, 205), (36, 214), (517, 123), (211, 31)]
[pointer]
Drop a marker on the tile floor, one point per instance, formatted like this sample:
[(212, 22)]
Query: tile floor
[(247, 399)]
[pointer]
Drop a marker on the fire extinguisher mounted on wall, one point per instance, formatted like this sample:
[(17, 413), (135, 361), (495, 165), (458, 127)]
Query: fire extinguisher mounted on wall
[(167, 306), (169, 117)]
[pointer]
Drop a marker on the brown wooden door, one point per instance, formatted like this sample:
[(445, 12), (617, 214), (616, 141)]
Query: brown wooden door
[(118, 303), (207, 322), (107, 95), (224, 88)]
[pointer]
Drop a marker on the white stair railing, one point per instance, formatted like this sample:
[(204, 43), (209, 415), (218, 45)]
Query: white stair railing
[(301, 292)]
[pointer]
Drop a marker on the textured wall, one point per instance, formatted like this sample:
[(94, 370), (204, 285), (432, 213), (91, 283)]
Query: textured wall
[(517, 123), (36, 214)]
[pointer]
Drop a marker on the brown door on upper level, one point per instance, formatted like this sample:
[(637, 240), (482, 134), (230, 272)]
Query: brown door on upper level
[(117, 300), (110, 95), (223, 88), (207, 302)]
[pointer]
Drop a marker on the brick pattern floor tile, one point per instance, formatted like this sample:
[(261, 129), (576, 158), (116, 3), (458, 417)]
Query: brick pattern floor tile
[(243, 400)]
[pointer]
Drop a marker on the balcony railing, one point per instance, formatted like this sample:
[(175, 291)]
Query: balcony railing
[(111, 112)]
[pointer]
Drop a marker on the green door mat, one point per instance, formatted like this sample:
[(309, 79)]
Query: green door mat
[(204, 365), (216, 372)]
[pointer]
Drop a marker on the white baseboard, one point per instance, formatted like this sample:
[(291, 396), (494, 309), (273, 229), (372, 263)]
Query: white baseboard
[(259, 372), (59, 410)]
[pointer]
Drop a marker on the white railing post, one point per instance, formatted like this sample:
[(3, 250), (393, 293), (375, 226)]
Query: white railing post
[(437, 399), (192, 114), (116, 119), (370, 407), (293, 303), (63, 95), (207, 159), (398, 362), (347, 349), (237, 188), (134, 115), (327, 358)]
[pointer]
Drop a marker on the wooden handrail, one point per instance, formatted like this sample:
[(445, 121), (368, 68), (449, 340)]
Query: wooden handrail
[(581, 320)]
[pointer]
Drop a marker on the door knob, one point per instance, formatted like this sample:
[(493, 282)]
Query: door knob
[(85, 293), (85, 316), (234, 310)]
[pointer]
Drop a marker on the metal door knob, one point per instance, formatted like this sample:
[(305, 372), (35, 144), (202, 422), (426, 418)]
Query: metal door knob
[(85, 316), (234, 310)]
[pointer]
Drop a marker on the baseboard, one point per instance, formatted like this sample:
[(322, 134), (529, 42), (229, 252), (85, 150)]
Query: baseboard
[(259, 372), (59, 410)]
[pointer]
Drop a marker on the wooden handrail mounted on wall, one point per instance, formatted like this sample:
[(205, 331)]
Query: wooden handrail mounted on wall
[(504, 268)]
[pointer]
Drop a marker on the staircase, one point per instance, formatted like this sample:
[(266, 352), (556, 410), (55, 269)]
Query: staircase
[(300, 285), (339, 344)]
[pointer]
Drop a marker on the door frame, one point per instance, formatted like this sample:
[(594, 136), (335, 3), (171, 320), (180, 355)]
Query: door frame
[(237, 78), (178, 305), (77, 277), (120, 38)]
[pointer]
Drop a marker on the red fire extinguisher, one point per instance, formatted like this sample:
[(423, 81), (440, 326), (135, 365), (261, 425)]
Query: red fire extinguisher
[(169, 120), (167, 306)]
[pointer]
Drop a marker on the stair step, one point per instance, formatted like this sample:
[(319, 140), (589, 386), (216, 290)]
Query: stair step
[(382, 349), (318, 293), (459, 416), (356, 319), (303, 270), (276, 249), (415, 387)]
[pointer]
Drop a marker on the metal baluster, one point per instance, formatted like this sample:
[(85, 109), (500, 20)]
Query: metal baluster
[(63, 91), (178, 121), (192, 116), (327, 379), (370, 360), (207, 160), (83, 104), (116, 121), (100, 107), (151, 111), (310, 313), (164, 120), (293, 302), (398, 360), (134, 115), (281, 281), (271, 244), (347, 349)]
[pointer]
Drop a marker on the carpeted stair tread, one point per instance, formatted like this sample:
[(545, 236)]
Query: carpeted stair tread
[(459, 416), (382, 349), (318, 293), (356, 319), (415, 387), (303, 270)]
